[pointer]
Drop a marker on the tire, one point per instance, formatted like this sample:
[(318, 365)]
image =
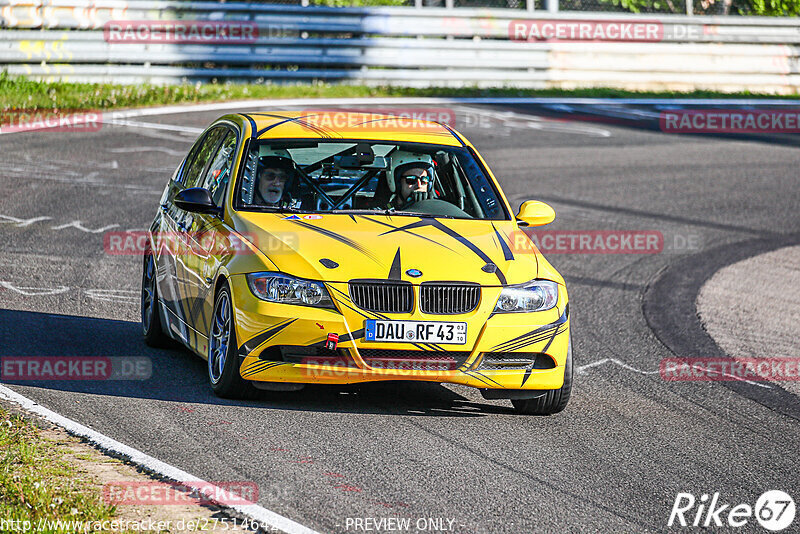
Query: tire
[(223, 357), (154, 335), (553, 401)]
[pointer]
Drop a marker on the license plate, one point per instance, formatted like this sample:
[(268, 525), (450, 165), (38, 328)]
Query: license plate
[(443, 333)]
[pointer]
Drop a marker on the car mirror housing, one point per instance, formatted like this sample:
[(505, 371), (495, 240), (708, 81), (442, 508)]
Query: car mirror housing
[(197, 200), (535, 213)]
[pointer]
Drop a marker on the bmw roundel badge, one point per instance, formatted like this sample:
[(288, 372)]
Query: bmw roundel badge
[(416, 273)]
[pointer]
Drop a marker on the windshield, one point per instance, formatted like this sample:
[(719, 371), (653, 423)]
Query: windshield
[(372, 176)]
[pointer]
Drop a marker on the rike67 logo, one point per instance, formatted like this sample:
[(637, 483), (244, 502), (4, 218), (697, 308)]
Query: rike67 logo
[(774, 510)]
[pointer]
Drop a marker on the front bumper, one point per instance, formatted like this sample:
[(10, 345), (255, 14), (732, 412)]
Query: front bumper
[(493, 342)]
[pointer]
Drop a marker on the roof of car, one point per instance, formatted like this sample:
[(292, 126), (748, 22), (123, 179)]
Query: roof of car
[(342, 124)]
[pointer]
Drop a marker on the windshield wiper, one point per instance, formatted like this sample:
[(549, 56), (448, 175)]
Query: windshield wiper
[(359, 211), (390, 211), (393, 211), (276, 209)]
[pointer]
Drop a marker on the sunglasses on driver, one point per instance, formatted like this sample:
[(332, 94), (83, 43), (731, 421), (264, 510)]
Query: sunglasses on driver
[(412, 179)]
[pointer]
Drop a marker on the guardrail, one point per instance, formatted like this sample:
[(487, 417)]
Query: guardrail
[(403, 46)]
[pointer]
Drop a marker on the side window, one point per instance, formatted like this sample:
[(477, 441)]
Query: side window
[(208, 146), (218, 174), (248, 183), (180, 175)]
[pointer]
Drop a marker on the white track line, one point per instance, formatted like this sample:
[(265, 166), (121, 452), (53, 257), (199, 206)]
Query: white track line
[(615, 361), (260, 514), (624, 365), (117, 121)]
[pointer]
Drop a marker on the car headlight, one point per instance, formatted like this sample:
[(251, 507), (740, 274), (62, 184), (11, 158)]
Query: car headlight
[(536, 295), (285, 289)]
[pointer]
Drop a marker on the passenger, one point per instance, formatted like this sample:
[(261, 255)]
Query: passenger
[(274, 172)]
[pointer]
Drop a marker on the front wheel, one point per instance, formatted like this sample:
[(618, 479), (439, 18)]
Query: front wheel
[(223, 360), (553, 401)]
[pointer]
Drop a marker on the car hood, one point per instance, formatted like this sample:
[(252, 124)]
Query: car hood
[(341, 247)]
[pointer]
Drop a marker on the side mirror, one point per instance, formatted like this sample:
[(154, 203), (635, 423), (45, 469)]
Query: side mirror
[(197, 200), (535, 213)]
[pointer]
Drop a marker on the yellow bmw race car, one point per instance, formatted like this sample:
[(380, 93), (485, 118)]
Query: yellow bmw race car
[(338, 247)]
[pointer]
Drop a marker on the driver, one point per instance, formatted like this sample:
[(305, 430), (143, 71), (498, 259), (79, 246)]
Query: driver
[(274, 172), (413, 177)]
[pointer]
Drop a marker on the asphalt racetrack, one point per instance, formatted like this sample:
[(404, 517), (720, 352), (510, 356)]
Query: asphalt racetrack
[(613, 461)]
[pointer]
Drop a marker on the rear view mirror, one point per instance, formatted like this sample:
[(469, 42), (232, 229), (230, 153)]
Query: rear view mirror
[(355, 162), (535, 213)]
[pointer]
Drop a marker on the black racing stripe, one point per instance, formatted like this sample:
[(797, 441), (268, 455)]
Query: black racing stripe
[(338, 237), (254, 371), (475, 364), (507, 254), (253, 127), (486, 377), (262, 131), (525, 377), (360, 312), (254, 342), (406, 231), (341, 293), (436, 348), (562, 328), (455, 235), (363, 313), (396, 273), (529, 339), (375, 120), (526, 340), (454, 134), (555, 333), (323, 132), (467, 243), (543, 331), (259, 367), (469, 373), (352, 336), (480, 376)]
